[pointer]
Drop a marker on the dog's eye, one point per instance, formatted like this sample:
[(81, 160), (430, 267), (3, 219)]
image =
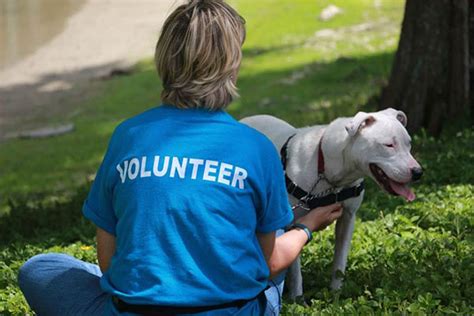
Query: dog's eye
[(389, 145)]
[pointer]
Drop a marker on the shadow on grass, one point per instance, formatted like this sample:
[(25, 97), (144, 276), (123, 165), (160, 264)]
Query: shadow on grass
[(305, 95), (314, 93), (40, 218), (51, 97)]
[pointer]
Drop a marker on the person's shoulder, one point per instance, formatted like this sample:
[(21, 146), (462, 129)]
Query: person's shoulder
[(139, 119), (127, 125)]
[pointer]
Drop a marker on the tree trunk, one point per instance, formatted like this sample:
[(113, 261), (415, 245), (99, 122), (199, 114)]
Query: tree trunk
[(430, 74), (471, 58)]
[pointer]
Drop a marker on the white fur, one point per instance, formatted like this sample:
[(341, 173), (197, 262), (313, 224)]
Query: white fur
[(349, 145)]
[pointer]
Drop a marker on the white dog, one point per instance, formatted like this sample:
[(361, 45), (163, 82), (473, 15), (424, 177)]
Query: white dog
[(328, 163)]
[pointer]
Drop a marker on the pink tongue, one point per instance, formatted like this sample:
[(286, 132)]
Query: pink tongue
[(402, 190)]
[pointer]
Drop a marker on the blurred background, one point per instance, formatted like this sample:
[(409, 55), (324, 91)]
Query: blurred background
[(72, 70), (52, 51), (27, 25)]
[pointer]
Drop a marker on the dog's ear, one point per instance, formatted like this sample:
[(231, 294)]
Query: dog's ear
[(399, 115), (359, 121)]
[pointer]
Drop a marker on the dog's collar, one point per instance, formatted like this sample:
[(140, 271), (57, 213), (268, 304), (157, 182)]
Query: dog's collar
[(307, 199)]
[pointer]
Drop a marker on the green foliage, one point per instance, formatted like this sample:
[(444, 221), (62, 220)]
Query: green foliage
[(38, 225), (395, 262), (406, 258)]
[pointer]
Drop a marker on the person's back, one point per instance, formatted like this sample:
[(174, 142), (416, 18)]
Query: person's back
[(188, 190)]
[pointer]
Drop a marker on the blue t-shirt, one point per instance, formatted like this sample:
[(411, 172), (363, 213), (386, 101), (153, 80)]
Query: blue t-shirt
[(184, 192)]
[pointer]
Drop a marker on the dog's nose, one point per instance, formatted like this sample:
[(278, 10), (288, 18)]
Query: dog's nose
[(416, 173)]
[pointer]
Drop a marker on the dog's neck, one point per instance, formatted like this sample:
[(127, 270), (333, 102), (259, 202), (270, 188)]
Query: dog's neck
[(339, 170)]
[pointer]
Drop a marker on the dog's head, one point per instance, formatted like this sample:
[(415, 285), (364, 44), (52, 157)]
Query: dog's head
[(381, 148)]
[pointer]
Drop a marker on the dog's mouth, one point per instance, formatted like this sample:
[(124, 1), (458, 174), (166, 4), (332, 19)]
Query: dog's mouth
[(391, 186)]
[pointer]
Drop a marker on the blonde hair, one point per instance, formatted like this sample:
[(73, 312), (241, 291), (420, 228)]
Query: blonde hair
[(198, 55)]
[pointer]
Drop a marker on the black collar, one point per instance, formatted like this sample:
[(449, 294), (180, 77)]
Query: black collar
[(310, 200)]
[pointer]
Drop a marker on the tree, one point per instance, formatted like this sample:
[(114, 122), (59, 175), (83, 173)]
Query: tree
[(471, 57), (430, 74)]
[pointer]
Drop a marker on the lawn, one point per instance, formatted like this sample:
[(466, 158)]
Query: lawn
[(406, 258)]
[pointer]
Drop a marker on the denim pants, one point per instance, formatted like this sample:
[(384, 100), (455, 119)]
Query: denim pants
[(58, 284)]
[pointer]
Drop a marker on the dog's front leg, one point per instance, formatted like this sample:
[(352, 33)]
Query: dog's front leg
[(295, 280), (344, 230)]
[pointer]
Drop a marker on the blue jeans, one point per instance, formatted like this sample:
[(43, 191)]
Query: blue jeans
[(58, 284)]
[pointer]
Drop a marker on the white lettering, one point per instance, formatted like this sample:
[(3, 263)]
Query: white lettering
[(176, 166), (123, 172), (210, 167), (135, 164), (143, 172), (239, 176), (196, 163), (162, 172), (224, 171)]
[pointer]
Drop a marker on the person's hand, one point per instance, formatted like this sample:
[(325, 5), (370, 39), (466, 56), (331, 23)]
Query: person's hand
[(321, 217)]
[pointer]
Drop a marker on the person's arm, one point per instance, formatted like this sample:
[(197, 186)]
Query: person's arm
[(105, 248), (282, 251)]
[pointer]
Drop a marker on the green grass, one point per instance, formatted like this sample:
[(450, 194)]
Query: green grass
[(406, 258)]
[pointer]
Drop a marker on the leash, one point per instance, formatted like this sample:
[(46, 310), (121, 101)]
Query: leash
[(308, 201)]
